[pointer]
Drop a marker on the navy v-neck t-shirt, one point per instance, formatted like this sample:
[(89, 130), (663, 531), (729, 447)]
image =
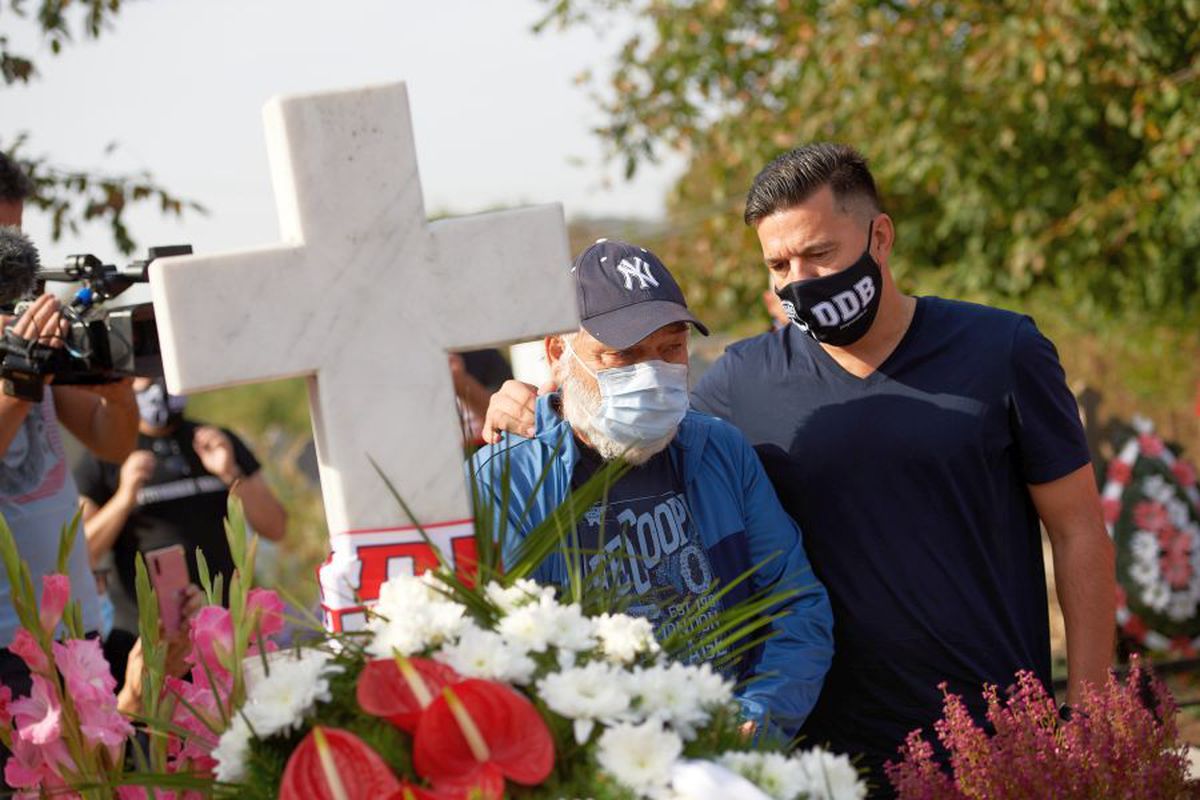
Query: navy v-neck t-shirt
[(910, 486)]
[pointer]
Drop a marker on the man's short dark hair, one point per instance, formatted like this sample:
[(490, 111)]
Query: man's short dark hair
[(15, 186), (798, 174)]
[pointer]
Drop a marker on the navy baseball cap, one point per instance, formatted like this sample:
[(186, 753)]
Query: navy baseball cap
[(625, 293)]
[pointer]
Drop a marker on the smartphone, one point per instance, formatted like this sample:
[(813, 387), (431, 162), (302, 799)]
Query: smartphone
[(169, 577)]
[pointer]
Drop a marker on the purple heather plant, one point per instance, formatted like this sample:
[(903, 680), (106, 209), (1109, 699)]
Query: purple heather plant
[(1121, 742)]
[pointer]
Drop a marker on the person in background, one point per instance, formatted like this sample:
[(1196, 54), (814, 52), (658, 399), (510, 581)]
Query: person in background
[(174, 489), (476, 373), (129, 684)]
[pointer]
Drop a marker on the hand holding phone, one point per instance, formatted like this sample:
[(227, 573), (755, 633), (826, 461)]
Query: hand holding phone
[(169, 577)]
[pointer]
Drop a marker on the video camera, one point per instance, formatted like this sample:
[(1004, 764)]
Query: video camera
[(102, 344)]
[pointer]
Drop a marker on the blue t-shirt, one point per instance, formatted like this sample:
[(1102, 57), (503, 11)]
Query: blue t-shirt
[(911, 488), (648, 548)]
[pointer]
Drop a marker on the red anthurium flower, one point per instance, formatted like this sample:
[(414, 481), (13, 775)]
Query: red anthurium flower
[(486, 784), (476, 724), (333, 764), (399, 689), (409, 792)]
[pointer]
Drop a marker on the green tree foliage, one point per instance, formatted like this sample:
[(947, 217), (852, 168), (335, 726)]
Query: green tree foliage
[(1017, 145), (73, 196)]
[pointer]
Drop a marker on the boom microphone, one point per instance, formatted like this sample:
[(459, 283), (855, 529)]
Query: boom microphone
[(19, 265)]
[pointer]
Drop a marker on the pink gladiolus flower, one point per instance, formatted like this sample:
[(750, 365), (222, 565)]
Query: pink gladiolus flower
[(103, 723), (37, 768), (25, 646), (84, 669), (265, 609), (92, 687), (38, 718), (56, 593), (196, 748), (212, 640), (5, 709)]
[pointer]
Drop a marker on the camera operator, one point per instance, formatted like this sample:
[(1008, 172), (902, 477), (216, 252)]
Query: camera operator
[(37, 492)]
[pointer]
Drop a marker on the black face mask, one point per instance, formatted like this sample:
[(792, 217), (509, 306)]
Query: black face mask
[(838, 309)]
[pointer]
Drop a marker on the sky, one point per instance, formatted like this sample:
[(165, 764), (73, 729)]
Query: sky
[(179, 85)]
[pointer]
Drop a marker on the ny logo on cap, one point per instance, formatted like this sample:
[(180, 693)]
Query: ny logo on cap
[(637, 268)]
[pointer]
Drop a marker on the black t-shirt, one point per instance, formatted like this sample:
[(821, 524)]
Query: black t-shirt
[(911, 488), (487, 366), (649, 548), (182, 503)]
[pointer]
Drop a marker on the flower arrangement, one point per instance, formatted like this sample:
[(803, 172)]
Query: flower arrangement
[(481, 687), (1151, 505), (1120, 741), (517, 695)]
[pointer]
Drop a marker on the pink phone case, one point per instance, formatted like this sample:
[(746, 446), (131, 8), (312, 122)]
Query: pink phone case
[(169, 576)]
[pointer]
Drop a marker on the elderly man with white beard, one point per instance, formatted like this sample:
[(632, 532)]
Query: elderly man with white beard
[(693, 511)]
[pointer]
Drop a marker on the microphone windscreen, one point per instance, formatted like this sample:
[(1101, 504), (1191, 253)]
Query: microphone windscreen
[(19, 265)]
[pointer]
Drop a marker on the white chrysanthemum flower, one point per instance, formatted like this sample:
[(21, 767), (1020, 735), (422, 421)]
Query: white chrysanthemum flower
[(278, 701), (680, 695), (524, 626), (747, 764), (710, 687), (487, 655), (231, 751), (570, 629), (589, 694), (522, 593), (428, 621), (829, 776), (703, 780), (783, 777), (400, 594), (813, 775), (623, 638), (640, 757), (546, 623)]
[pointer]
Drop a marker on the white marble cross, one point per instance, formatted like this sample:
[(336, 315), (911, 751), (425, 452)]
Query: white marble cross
[(365, 297)]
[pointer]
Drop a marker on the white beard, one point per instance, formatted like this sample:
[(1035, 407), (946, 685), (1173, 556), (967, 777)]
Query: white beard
[(580, 404)]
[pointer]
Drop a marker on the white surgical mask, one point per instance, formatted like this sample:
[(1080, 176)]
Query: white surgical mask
[(640, 403), (157, 407)]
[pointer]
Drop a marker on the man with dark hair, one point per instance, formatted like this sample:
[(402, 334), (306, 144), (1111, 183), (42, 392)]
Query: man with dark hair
[(15, 189), (918, 442)]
